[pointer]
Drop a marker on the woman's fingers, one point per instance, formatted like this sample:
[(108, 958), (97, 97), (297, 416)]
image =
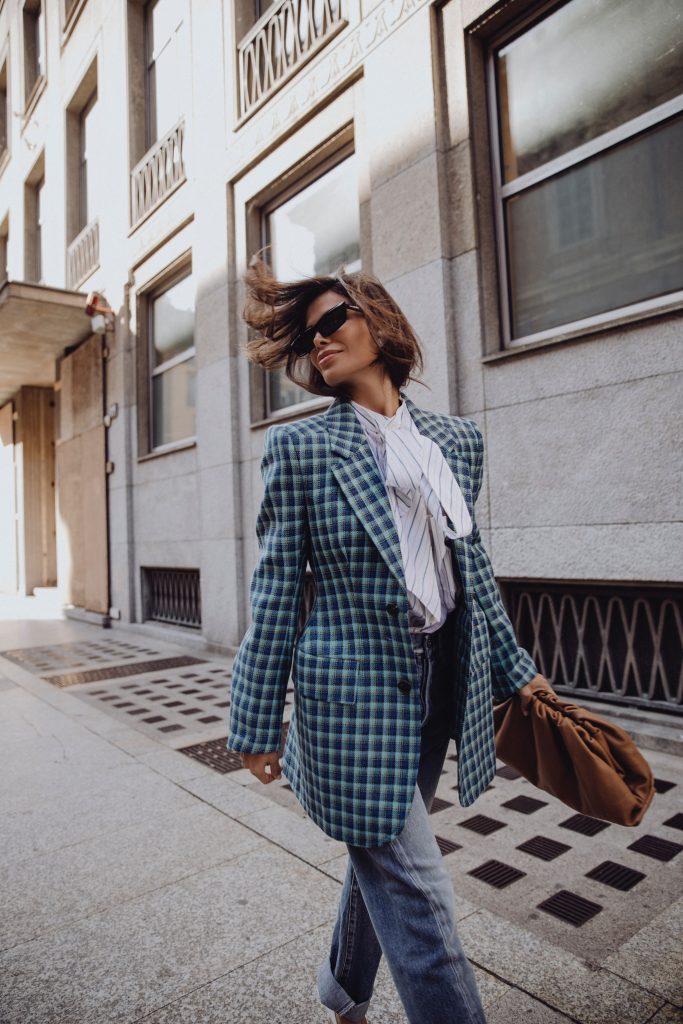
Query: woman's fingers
[(265, 767)]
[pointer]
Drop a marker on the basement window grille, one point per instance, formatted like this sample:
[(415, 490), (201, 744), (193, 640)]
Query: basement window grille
[(608, 642), (172, 596)]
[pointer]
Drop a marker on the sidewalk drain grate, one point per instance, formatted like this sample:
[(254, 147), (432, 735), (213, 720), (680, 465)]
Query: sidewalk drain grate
[(215, 754), (119, 671), (584, 825), (481, 824), (653, 846), (439, 805), (662, 786), (570, 907), (447, 845), (543, 848), (525, 804), (497, 874), (508, 772), (616, 875), (675, 822)]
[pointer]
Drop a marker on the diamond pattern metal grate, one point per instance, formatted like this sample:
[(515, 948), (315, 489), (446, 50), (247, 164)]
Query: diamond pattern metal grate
[(653, 846), (616, 875), (215, 754), (525, 804), (607, 640), (675, 822), (663, 785), (172, 596), (508, 772), (482, 824), (447, 845), (543, 848), (570, 907), (584, 825), (497, 874), (439, 805)]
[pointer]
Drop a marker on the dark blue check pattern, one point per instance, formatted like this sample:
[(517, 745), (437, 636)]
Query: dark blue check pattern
[(353, 744)]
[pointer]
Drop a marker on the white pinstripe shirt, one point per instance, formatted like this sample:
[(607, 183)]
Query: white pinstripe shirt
[(443, 567)]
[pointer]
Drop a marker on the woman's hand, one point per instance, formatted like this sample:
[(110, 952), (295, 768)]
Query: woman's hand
[(525, 692), (257, 763)]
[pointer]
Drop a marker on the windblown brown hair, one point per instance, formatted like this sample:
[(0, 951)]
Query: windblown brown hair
[(276, 312)]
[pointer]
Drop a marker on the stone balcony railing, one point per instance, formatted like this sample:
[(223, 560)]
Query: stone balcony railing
[(159, 173), (282, 40), (83, 254)]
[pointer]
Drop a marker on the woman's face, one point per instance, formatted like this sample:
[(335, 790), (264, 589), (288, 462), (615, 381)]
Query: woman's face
[(351, 349)]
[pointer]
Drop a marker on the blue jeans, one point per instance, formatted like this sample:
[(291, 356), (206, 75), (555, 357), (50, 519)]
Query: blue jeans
[(398, 898)]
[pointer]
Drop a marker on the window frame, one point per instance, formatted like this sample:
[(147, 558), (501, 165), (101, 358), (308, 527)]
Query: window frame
[(6, 113), (33, 11), (293, 184), (501, 192), (172, 275)]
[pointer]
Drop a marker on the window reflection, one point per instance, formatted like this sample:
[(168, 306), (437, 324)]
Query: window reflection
[(173, 363), (312, 233)]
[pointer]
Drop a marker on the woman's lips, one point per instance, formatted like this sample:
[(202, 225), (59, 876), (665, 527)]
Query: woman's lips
[(325, 356)]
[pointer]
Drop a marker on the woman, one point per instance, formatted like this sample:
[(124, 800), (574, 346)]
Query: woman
[(405, 646)]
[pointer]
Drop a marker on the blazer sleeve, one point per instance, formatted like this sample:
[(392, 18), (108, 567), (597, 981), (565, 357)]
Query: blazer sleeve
[(262, 664), (512, 666)]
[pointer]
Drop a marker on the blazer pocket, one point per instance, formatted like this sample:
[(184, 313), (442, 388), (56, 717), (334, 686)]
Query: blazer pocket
[(325, 678)]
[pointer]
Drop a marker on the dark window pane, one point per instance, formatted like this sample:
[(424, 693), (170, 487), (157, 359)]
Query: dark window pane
[(173, 321), (602, 235), (173, 403), (588, 67)]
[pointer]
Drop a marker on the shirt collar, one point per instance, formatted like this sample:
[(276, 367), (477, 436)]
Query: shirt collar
[(377, 422)]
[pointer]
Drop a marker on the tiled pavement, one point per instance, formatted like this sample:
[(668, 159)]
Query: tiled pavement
[(148, 876)]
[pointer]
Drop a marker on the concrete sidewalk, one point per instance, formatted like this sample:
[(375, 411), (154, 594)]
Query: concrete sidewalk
[(148, 878)]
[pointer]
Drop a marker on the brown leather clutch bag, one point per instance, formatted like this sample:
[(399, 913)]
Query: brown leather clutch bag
[(584, 760)]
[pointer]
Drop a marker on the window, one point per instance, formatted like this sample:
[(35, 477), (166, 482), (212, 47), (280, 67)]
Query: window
[(166, 62), (172, 362), (312, 232), (588, 150), (34, 241), (4, 113), (4, 246), (88, 207), (34, 46)]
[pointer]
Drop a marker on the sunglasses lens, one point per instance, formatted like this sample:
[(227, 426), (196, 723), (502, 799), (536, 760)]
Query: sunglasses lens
[(327, 324)]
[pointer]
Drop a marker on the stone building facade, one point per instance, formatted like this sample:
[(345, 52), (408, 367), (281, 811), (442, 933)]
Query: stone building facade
[(510, 171)]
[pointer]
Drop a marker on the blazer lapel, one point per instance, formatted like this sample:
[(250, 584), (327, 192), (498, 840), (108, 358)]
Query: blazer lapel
[(358, 476)]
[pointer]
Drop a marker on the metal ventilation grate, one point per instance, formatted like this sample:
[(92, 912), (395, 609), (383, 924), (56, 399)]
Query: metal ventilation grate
[(567, 906), (172, 596), (135, 668), (446, 845), (622, 643), (525, 804), (663, 786), (543, 848), (481, 824), (439, 805), (497, 874), (616, 875), (215, 754), (653, 846), (508, 772), (675, 822), (584, 825)]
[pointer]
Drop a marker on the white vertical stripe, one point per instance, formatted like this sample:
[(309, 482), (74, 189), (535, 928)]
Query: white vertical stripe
[(421, 488)]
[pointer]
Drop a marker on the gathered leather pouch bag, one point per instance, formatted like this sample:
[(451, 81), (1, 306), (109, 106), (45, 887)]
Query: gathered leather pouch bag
[(584, 760)]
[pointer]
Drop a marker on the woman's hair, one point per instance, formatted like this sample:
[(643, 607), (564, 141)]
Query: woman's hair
[(276, 312)]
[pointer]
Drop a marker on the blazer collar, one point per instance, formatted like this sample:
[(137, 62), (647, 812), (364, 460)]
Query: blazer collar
[(359, 477), (346, 433)]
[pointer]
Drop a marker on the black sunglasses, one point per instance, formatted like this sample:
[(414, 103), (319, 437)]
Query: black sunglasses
[(328, 323)]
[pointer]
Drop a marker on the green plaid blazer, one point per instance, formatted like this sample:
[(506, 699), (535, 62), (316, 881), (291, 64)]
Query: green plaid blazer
[(352, 749)]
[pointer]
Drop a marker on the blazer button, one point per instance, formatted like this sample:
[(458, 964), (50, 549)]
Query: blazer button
[(392, 608), (404, 685)]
